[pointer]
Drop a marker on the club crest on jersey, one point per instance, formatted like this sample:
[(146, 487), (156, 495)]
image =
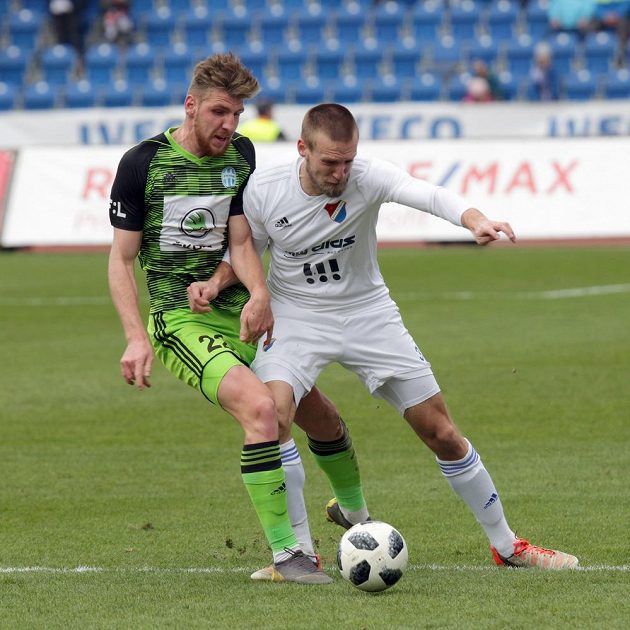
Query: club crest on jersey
[(228, 177), (336, 211)]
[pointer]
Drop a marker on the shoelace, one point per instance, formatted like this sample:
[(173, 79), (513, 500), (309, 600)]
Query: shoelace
[(524, 545)]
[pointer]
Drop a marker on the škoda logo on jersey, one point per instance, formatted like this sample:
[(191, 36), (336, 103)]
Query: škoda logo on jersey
[(336, 211)]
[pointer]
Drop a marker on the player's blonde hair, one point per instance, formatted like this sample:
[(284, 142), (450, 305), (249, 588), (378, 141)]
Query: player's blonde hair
[(223, 72), (332, 119)]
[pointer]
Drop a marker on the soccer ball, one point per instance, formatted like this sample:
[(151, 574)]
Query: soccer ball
[(372, 556)]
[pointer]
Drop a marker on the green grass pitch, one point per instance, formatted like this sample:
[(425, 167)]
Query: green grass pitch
[(125, 509)]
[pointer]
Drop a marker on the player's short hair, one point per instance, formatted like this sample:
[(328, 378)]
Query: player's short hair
[(335, 121), (223, 72)]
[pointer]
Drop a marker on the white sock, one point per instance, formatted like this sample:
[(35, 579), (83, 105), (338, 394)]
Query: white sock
[(471, 481), (294, 479), (358, 516)]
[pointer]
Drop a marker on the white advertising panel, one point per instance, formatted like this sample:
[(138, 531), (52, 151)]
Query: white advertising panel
[(393, 121), (547, 189)]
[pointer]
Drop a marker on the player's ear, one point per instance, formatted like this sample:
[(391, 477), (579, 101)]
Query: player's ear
[(301, 147), (190, 105)]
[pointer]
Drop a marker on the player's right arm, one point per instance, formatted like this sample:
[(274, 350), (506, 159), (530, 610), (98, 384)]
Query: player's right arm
[(137, 359)]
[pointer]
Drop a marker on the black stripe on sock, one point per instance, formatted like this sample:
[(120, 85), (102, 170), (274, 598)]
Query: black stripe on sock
[(322, 449), (260, 457)]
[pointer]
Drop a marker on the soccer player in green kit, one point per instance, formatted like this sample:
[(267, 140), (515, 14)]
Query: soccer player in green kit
[(176, 205)]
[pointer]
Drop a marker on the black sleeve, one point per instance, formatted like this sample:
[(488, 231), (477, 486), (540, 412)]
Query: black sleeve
[(246, 148), (127, 209)]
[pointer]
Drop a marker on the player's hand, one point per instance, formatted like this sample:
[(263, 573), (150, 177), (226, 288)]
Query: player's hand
[(200, 294), (485, 230), (257, 318), (136, 363)]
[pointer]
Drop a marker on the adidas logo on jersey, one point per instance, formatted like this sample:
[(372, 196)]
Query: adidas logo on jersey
[(283, 223)]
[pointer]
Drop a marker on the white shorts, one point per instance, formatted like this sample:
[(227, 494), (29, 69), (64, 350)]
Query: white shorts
[(374, 344)]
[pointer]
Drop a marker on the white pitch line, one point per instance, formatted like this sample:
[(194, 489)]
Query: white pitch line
[(600, 568), (549, 294)]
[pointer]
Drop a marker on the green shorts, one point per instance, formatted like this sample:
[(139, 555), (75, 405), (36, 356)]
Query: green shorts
[(199, 348)]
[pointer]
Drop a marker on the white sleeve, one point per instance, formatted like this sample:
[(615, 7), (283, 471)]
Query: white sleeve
[(252, 206), (418, 193)]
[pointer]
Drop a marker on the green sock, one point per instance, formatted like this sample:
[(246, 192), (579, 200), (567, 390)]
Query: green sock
[(263, 477), (339, 462)]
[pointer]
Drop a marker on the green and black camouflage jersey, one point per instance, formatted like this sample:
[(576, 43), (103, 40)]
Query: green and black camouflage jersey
[(181, 203)]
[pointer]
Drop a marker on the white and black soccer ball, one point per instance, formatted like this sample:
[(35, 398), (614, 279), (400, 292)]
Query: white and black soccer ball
[(372, 556)]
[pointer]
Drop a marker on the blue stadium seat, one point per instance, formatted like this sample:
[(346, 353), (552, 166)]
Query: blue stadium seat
[(276, 91), (139, 8), (463, 20), (24, 27), (196, 25), (77, 94), (405, 58), (366, 61), (13, 64), (100, 62), (579, 86), (445, 55), (457, 87), (510, 85), (387, 20), (599, 51), (427, 87), (177, 62), (117, 94), (345, 91), (8, 96), (290, 64), (563, 48), (179, 6), (385, 89), (159, 26), (537, 19), (617, 84), (519, 54), (235, 29), (426, 20), (349, 26), (328, 62), (310, 92), (256, 59), (502, 19), (139, 62), (485, 49), (58, 62), (273, 28), (155, 93), (308, 26), (40, 95)]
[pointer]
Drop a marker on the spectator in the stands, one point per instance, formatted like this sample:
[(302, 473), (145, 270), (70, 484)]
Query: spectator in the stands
[(481, 69), (543, 77), (573, 16), (117, 23), (478, 91), (66, 20), (614, 15)]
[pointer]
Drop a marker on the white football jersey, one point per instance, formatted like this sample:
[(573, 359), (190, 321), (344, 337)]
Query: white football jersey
[(323, 250)]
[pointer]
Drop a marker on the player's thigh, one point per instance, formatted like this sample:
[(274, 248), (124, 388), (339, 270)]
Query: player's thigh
[(199, 348), (378, 347), (303, 345)]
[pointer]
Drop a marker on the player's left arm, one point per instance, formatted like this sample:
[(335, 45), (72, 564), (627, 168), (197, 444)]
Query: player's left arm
[(256, 317), (447, 205)]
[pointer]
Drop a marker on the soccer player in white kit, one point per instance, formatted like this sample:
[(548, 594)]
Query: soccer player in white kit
[(331, 304)]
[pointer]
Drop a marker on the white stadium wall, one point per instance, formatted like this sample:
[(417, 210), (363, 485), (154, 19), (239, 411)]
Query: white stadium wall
[(547, 188), (391, 121)]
